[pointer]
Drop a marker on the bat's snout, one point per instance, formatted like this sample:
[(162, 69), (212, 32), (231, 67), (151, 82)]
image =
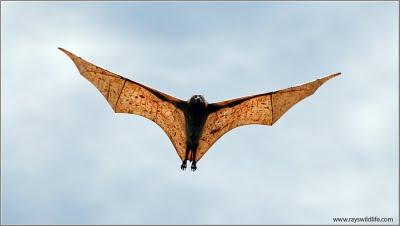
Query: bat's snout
[(197, 99)]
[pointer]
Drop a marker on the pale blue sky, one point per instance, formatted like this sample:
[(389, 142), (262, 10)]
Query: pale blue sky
[(66, 158)]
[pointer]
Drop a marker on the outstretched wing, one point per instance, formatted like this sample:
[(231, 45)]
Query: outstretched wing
[(126, 96), (264, 109)]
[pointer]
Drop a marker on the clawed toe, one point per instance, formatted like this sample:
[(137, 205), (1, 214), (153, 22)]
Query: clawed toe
[(183, 166)]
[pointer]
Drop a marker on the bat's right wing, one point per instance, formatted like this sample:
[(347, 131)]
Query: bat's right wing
[(126, 96), (264, 109)]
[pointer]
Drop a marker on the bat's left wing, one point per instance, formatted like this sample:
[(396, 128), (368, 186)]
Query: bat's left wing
[(264, 109), (127, 96)]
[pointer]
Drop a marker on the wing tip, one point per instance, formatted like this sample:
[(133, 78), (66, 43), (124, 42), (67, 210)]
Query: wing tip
[(336, 74), (62, 49), (328, 77), (68, 53)]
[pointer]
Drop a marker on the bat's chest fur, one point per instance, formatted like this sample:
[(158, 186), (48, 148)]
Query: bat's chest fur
[(195, 117)]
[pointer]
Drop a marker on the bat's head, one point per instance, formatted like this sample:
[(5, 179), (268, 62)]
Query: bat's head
[(197, 100)]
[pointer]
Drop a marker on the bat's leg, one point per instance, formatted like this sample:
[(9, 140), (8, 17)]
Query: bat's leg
[(194, 150), (183, 166)]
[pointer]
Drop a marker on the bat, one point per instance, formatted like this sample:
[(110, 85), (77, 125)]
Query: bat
[(193, 126)]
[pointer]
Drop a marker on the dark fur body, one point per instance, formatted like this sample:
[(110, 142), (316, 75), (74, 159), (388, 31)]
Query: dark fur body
[(195, 116), (196, 112)]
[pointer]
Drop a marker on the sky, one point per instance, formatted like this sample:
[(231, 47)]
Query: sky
[(66, 158)]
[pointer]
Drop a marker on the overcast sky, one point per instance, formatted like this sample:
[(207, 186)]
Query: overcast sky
[(67, 158)]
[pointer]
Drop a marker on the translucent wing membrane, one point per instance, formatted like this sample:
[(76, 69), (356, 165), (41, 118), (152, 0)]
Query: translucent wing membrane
[(264, 109), (126, 96)]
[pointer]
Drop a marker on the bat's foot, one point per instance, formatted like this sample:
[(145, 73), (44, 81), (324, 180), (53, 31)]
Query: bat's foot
[(183, 166), (193, 167)]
